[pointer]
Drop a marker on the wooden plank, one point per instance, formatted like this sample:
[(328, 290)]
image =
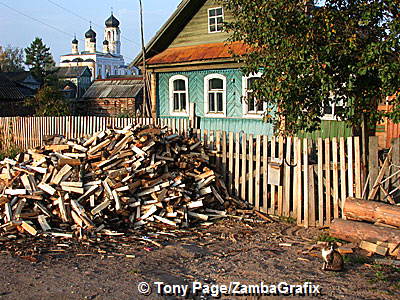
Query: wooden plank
[(251, 169), (258, 172), (335, 187), (224, 156), (297, 179), (320, 179), (230, 162), (357, 166), (218, 149), (244, 167), (287, 182), (264, 207), (343, 185), (306, 178), (311, 195), (273, 188), (381, 174), (350, 168), (280, 188), (237, 164)]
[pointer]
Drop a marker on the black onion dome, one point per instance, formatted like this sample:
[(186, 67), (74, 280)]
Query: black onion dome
[(90, 34), (105, 42), (112, 21), (75, 41)]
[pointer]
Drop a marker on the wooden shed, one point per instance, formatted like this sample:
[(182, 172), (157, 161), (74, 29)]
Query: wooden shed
[(113, 97)]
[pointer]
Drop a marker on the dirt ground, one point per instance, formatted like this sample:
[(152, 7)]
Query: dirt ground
[(228, 251)]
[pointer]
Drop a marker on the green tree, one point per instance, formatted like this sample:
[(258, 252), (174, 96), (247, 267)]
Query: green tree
[(343, 51), (48, 102), (11, 59), (39, 59)]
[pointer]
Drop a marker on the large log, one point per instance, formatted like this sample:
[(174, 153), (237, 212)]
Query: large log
[(358, 231), (372, 211)]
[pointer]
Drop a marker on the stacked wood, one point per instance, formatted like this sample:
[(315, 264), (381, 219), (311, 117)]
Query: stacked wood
[(382, 237), (113, 180)]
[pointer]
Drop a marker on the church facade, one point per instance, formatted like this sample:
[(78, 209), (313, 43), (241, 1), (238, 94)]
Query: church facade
[(102, 64)]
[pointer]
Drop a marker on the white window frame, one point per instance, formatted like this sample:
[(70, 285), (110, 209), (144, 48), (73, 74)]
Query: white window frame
[(206, 88), (216, 17), (332, 117), (246, 113), (171, 96)]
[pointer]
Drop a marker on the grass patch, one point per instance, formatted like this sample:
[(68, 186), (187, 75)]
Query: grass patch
[(324, 237), (388, 274), (10, 152), (289, 220), (356, 259)]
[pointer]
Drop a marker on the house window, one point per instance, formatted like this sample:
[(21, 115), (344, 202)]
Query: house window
[(251, 107), (178, 95), (331, 110), (215, 95), (215, 19)]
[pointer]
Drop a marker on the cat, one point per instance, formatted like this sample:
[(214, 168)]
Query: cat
[(333, 260)]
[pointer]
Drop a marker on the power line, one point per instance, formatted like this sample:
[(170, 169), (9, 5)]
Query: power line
[(87, 20), (37, 20)]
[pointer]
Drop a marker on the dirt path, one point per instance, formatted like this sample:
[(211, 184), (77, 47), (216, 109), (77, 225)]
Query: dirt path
[(229, 251)]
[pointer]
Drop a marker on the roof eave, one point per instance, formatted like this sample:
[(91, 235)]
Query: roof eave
[(182, 7)]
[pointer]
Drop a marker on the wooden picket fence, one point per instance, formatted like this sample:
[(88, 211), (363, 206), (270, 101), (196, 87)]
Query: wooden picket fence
[(28, 132), (315, 176), (309, 179)]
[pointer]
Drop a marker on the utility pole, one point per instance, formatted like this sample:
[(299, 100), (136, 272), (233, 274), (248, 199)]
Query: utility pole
[(146, 109)]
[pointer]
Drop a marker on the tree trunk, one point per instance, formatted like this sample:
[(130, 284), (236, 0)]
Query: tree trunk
[(358, 231), (372, 211)]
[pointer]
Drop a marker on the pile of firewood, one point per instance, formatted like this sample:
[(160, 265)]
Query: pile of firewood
[(373, 226), (113, 180)]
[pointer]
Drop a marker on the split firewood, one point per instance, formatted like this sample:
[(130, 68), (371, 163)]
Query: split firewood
[(135, 176)]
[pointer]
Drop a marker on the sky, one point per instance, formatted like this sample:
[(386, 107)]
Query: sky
[(23, 20)]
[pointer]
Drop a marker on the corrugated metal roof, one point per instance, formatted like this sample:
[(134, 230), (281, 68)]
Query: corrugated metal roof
[(118, 88), (198, 53), (68, 72)]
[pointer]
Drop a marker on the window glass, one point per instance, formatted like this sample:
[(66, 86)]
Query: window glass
[(179, 85), (215, 19), (216, 84), (220, 102)]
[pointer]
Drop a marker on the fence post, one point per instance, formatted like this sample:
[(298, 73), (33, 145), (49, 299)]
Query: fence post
[(373, 162)]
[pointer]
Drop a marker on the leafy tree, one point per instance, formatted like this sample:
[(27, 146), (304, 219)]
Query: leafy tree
[(312, 56), (11, 59), (39, 59), (48, 102)]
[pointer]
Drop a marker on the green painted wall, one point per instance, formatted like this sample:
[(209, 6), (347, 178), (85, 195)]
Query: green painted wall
[(234, 120), (329, 129), (196, 31)]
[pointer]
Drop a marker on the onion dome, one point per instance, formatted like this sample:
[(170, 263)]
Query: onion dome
[(75, 41), (90, 34), (112, 21), (105, 42)]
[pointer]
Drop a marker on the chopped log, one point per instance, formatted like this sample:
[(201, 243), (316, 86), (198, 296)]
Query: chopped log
[(374, 248), (357, 231), (372, 211), (30, 229)]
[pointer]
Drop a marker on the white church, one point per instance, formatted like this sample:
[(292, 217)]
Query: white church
[(103, 64)]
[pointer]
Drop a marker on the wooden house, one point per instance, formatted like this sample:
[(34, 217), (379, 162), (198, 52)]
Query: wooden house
[(191, 65), (76, 80), (15, 87)]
